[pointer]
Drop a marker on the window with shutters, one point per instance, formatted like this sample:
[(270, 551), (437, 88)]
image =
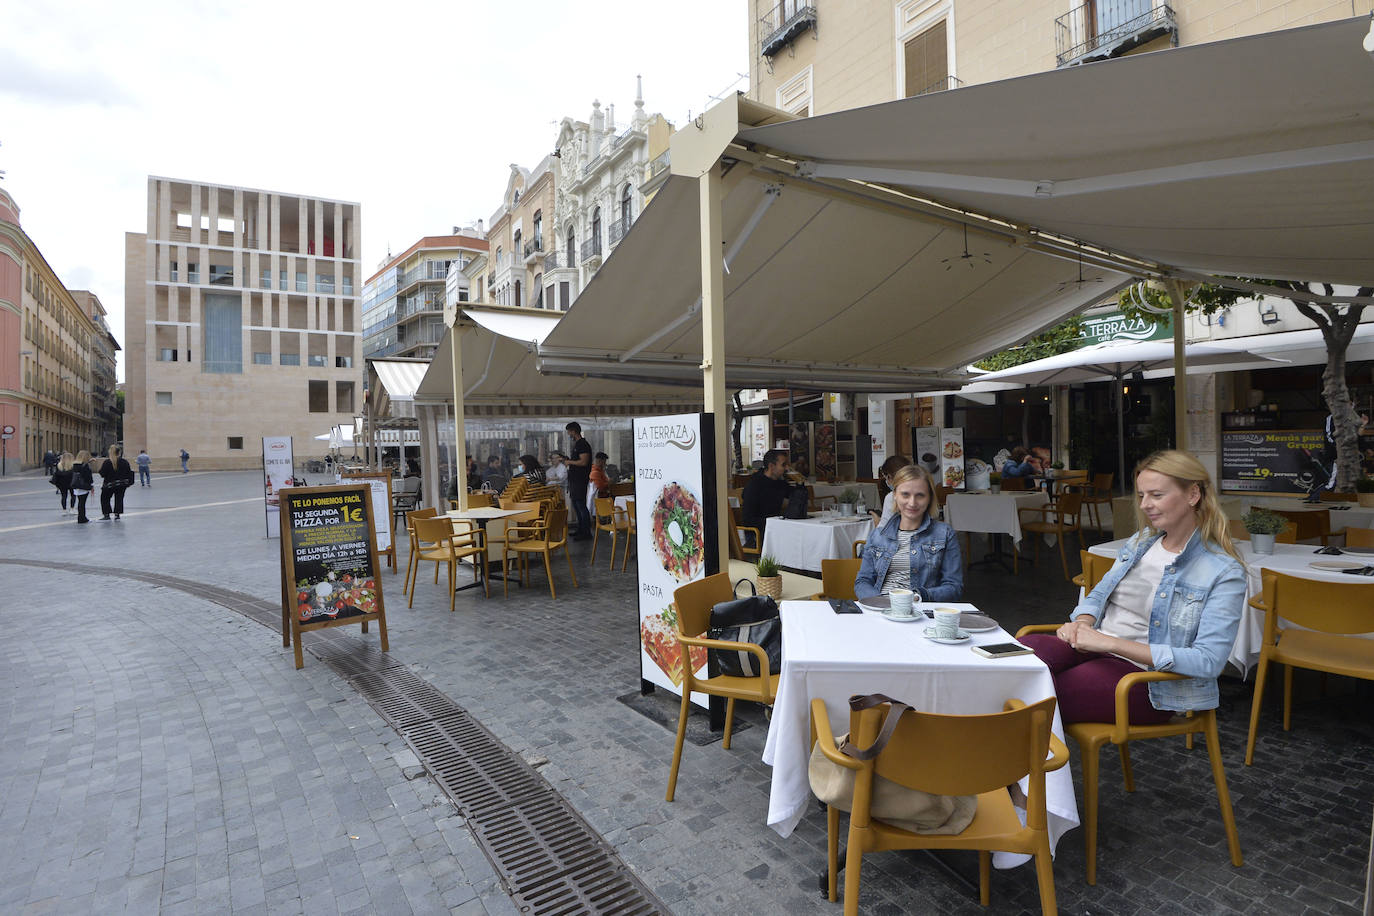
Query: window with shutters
[(926, 57)]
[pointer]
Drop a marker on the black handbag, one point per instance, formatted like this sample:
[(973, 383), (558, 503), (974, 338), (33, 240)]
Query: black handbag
[(796, 503), (753, 619)]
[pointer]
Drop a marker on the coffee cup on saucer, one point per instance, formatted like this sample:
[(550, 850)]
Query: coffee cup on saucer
[(903, 602), (946, 625)]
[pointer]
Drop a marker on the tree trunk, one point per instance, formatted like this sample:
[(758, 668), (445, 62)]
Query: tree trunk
[(1338, 327), (739, 426)]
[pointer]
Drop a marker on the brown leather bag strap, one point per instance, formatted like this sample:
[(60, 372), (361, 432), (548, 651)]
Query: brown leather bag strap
[(894, 715)]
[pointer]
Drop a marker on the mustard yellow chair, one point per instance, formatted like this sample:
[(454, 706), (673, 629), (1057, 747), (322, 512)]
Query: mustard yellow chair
[(692, 603), (1094, 568), (538, 537), (1309, 524), (1058, 518), (1288, 535), (413, 561), (1359, 537), (610, 520), (837, 579), (449, 545), (630, 531), (949, 755), (737, 549), (1330, 612)]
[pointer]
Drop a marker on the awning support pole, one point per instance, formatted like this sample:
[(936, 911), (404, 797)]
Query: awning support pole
[(1180, 367), (713, 347), (460, 469)]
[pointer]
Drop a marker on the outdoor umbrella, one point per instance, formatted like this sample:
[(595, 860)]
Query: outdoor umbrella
[(1117, 360)]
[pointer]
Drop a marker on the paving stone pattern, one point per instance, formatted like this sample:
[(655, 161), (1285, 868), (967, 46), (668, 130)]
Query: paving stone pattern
[(202, 773)]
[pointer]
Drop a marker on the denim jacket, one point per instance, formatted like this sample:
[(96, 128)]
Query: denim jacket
[(1193, 618), (937, 570)]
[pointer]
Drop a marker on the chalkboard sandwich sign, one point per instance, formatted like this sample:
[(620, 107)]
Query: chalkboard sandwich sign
[(329, 562)]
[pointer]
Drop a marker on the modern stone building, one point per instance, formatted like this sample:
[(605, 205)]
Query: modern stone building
[(242, 320), (403, 302), (46, 353)]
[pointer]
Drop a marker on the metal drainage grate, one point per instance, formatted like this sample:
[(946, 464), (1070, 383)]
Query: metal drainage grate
[(552, 861)]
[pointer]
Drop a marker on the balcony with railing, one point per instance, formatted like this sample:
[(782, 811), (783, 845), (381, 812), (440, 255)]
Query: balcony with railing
[(533, 249), (619, 228), (949, 82), (782, 24), (591, 248), (1103, 29), (429, 271)]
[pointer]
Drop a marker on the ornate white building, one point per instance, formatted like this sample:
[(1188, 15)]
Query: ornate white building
[(599, 174)]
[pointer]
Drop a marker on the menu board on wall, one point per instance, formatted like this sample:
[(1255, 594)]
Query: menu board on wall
[(278, 473), (926, 445), (329, 562), (676, 531), (1271, 461), (951, 458)]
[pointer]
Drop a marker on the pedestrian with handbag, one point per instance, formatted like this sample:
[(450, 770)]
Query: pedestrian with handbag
[(82, 483), (116, 475), (62, 479)]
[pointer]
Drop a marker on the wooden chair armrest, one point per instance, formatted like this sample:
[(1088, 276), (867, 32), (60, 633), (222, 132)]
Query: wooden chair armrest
[(1059, 752), (1048, 507), (729, 645), (1123, 690), (1038, 628), (825, 738), (526, 529), (758, 535)]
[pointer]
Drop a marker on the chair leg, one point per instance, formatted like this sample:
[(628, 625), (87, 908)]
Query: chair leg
[(1063, 560), (1044, 875), (1089, 755), (729, 723), (411, 601), (505, 574), (548, 571), (1260, 675), (1228, 817), (681, 736), (1287, 698), (853, 864), (832, 851), (596, 536), (1127, 774), (985, 876), (568, 554)]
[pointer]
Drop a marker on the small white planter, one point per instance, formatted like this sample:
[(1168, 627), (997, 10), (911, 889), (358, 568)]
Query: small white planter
[(1262, 543)]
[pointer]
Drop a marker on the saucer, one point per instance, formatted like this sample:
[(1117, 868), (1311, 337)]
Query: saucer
[(897, 619), (1334, 564), (928, 633), (875, 603)]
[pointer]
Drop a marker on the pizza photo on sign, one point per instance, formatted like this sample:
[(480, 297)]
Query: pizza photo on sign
[(658, 635), (677, 532)]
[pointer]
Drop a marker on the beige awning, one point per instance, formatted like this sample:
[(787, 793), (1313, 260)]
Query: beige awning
[(391, 386)]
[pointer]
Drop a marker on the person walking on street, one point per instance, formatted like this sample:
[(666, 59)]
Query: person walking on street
[(82, 482), (62, 479), (49, 462), (115, 477), (579, 475), (185, 457), (145, 468)]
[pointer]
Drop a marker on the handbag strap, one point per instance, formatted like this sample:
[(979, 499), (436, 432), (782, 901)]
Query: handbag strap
[(894, 715), (752, 590)]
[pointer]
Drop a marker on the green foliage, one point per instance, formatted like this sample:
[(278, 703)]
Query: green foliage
[(767, 566), (1364, 484), (1204, 298), (850, 496), (1061, 338), (1262, 521)]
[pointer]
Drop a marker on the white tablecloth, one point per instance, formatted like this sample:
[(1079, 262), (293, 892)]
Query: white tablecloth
[(868, 490), (833, 656), (803, 543), (1356, 516), (995, 513), (1293, 559)]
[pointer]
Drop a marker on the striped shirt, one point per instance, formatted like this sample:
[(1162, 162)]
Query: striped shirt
[(899, 571)]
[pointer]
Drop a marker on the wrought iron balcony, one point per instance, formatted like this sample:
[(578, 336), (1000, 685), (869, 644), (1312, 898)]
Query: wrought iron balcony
[(949, 82), (591, 248), (784, 22), (619, 228), (555, 260), (1103, 29), (533, 249)]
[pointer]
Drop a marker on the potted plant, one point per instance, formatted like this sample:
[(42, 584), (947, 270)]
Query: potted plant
[(1364, 488), (1263, 526), (848, 499), (769, 577), (995, 481)]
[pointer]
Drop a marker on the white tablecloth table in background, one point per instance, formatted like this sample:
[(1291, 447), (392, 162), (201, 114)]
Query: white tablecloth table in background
[(1355, 516), (869, 492), (803, 543), (992, 513), (1293, 559), (832, 656)]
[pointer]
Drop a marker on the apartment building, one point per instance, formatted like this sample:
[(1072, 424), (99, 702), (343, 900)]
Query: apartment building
[(242, 320), (820, 57), (105, 416), (46, 343), (403, 302), (519, 232)]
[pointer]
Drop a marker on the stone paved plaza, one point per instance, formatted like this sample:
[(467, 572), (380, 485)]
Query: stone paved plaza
[(160, 752)]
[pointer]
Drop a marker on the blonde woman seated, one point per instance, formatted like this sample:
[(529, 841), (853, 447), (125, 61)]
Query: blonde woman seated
[(914, 549), (1171, 602)]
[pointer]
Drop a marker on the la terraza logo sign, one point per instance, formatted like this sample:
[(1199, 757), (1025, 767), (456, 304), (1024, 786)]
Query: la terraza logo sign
[(677, 435)]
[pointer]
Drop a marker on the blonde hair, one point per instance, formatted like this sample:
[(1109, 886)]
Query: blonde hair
[(83, 456), (65, 462), (113, 452), (916, 472), (1186, 471)]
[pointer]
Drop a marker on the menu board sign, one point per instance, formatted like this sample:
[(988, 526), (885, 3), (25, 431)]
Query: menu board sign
[(329, 562), (951, 458), (278, 473), (1272, 461), (676, 534), (926, 444)]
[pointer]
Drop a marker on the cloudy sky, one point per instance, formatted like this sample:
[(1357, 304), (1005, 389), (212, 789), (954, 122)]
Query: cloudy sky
[(414, 109)]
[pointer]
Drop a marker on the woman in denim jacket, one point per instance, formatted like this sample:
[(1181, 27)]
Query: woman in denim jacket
[(934, 567), (1171, 602)]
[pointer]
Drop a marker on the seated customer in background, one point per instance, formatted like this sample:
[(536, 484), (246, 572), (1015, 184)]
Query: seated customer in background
[(600, 480), (1171, 602), (766, 492), (495, 478), (914, 549), (1020, 464), (891, 466)]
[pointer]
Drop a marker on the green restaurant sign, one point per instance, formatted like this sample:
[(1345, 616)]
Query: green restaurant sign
[(1116, 326)]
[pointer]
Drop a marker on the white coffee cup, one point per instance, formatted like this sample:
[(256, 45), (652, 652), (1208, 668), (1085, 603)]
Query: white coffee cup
[(946, 624), (902, 602)]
